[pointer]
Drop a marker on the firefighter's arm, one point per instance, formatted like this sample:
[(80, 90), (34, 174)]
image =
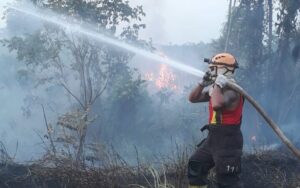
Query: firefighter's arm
[(223, 97), (197, 95)]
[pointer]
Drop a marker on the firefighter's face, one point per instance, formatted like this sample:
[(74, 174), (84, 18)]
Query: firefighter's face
[(213, 70)]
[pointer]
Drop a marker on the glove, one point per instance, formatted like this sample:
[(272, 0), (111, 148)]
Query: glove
[(206, 79), (221, 81)]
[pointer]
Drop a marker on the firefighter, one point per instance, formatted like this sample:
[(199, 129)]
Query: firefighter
[(223, 146)]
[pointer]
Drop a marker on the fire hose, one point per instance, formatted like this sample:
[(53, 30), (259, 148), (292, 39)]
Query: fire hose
[(261, 111)]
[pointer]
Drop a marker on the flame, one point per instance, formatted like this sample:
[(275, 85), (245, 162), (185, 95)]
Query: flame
[(164, 79)]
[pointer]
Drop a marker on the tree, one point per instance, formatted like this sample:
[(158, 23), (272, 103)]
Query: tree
[(287, 29), (270, 27), (82, 67), (265, 56)]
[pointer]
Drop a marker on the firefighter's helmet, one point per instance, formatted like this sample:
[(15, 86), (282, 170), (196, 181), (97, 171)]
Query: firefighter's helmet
[(224, 60)]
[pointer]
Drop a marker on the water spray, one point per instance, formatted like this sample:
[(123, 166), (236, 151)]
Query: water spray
[(158, 58), (109, 40)]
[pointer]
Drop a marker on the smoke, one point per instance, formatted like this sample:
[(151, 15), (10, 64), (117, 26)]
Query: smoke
[(17, 131), (22, 122), (296, 52)]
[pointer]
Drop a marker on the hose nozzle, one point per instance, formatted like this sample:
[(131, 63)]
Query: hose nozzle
[(206, 60)]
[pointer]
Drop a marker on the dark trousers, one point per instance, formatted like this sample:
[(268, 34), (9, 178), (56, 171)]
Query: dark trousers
[(221, 149)]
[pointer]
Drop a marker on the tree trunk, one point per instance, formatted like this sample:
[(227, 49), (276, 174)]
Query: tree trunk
[(270, 21), (228, 26)]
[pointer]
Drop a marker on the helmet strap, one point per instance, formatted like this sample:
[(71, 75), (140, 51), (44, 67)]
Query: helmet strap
[(225, 71), (222, 70)]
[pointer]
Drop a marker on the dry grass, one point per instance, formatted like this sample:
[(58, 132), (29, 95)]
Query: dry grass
[(268, 169)]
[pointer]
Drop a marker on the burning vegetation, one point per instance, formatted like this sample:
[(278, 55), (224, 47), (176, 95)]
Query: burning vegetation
[(164, 79)]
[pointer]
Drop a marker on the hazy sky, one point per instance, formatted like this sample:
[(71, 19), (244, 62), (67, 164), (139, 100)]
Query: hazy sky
[(178, 21)]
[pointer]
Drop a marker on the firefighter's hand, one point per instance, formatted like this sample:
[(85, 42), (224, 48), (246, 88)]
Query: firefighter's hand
[(221, 81), (206, 80)]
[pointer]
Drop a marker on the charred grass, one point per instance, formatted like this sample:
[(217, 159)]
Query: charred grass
[(265, 169)]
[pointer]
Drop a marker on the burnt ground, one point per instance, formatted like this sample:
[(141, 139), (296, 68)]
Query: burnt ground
[(266, 169), (271, 169)]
